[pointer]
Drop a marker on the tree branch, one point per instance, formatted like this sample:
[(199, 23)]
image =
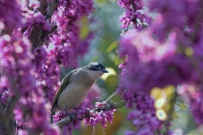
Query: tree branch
[(37, 34), (43, 6), (74, 117), (52, 7), (9, 109), (2, 113), (9, 123)]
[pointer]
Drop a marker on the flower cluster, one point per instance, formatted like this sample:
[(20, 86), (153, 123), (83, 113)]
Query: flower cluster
[(176, 60), (82, 109), (16, 64), (149, 56), (145, 123), (32, 17), (59, 115), (100, 116), (134, 14), (4, 91), (47, 71), (196, 106), (63, 46), (97, 115), (10, 15), (66, 39), (31, 56), (181, 17), (188, 41), (193, 96), (143, 113), (4, 96)]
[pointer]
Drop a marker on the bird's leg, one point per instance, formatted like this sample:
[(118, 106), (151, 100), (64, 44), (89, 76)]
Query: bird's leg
[(66, 111), (69, 115), (76, 109)]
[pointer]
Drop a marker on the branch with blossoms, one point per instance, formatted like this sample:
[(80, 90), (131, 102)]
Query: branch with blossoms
[(172, 46), (36, 38), (100, 107), (38, 34), (134, 14)]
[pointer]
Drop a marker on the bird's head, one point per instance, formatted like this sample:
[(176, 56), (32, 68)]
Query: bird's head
[(95, 70)]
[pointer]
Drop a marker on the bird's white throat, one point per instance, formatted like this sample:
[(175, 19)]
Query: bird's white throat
[(94, 74)]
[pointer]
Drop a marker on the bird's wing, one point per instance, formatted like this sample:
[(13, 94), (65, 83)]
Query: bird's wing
[(64, 84)]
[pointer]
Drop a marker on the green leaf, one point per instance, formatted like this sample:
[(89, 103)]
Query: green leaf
[(183, 106), (112, 82), (101, 1), (175, 115), (118, 60), (84, 30), (96, 58), (112, 46)]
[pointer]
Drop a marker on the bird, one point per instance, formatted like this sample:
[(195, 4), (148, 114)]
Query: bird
[(75, 86)]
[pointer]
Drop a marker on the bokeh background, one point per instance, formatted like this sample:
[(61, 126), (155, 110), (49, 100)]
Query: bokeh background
[(107, 29)]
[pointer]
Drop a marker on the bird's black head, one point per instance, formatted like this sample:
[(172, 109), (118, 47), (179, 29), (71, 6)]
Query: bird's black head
[(95, 66)]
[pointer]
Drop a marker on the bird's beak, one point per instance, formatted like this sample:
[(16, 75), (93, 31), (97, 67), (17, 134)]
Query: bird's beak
[(104, 70)]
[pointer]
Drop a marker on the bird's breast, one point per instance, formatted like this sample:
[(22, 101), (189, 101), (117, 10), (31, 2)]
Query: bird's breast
[(73, 95)]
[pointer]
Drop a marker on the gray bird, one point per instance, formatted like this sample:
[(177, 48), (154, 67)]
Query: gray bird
[(76, 85)]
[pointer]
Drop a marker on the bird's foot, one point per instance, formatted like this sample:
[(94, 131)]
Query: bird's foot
[(71, 117), (76, 109), (69, 114)]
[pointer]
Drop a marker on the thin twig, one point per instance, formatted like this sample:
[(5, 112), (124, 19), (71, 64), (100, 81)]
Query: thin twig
[(103, 133), (111, 96), (93, 130)]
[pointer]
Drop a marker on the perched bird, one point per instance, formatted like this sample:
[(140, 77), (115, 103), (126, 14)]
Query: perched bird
[(76, 85)]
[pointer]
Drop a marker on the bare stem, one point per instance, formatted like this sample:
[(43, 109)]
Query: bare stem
[(111, 96)]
